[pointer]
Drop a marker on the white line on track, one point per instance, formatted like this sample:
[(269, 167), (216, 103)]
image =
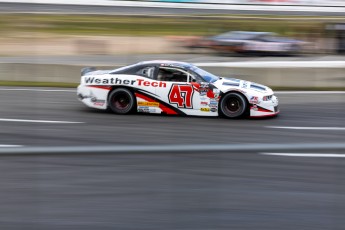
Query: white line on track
[(331, 155), (306, 128), (40, 90), (10, 146), (45, 150), (40, 121)]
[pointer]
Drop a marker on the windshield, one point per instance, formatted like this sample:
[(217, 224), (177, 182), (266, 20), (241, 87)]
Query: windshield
[(208, 77)]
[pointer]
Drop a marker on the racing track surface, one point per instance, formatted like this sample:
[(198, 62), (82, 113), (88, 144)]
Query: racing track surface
[(103, 128), (209, 190)]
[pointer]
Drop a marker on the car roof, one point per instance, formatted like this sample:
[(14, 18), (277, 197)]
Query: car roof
[(242, 34), (163, 63), (179, 64), (251, 32)]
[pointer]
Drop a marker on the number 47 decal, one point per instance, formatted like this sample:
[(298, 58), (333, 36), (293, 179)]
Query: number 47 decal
[(181, 95)]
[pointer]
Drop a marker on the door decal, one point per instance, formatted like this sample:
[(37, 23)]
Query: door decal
[(181, 95)]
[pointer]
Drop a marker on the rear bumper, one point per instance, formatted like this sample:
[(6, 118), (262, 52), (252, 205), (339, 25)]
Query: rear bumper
[(92, 97)]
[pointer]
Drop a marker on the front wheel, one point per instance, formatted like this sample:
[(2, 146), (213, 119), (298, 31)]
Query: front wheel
[(233, 105), (121, 101)]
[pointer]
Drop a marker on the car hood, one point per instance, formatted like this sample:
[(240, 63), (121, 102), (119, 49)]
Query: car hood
[(226, 84)]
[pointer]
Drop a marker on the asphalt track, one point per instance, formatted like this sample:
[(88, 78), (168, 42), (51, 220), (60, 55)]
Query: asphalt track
[(169, 190), (125, 10), (103, 128)]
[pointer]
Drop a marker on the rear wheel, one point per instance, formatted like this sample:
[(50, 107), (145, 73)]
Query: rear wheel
[(121, 101), (233, 105)]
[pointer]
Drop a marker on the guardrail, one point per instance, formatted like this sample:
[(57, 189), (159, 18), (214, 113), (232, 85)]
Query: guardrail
[(280, 74)]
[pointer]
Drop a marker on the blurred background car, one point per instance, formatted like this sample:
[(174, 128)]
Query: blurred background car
[(248, 42)]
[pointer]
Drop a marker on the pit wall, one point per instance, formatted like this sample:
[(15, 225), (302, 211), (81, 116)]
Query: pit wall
[(278, 77)]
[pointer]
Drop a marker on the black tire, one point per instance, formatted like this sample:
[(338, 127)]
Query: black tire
[(121, 101), (233, 105)]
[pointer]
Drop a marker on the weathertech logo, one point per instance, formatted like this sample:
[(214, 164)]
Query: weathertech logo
[(117, 81), (142, 82), (108, 81)]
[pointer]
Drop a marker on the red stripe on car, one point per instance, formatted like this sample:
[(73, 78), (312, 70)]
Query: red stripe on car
[(100, 87)]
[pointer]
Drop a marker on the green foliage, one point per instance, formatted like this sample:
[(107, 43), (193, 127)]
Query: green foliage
[(154, 25)]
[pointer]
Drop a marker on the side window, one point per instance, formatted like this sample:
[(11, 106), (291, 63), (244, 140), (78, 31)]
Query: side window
[(146, 72), (194, 77), (170, 74)]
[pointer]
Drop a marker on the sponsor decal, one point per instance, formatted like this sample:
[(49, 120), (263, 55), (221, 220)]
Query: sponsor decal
[(169, 64), (147, 103), (216, 93), (204, 103), (145, 109), (205, 109), (245, 84), (213, 110), (254, 107), (204, 87), (213, 102), (254, 100), (97, 102)]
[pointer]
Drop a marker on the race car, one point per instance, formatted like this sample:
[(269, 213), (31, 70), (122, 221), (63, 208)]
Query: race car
[(247, 42), (172, 87)]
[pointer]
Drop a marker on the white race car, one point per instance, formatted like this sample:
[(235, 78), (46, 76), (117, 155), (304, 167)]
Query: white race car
[(171, 87)]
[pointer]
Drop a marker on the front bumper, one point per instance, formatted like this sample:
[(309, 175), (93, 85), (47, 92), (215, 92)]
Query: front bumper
[(265, 108)]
